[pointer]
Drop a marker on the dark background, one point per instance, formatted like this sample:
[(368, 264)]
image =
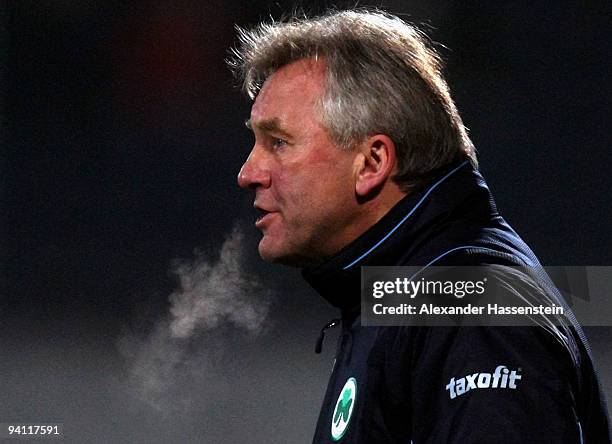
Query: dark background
[(122, 137)]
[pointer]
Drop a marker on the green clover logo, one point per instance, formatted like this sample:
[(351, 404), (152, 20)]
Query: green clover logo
[(344, 409)]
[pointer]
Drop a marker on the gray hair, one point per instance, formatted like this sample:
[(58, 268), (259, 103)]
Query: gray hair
[(383, 77)]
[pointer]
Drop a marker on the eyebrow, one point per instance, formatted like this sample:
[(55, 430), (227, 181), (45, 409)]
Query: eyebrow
[(268, 125)]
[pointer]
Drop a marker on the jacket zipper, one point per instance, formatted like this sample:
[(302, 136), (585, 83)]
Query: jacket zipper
[(319, 344)]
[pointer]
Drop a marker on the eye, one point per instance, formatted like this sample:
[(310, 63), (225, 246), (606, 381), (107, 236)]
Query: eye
[(279, 143)]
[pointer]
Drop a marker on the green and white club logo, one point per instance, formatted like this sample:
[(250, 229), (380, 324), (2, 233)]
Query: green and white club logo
[(344, 409)]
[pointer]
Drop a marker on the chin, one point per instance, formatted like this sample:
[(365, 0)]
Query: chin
[(274, 252), (270, 251), (266, 255)]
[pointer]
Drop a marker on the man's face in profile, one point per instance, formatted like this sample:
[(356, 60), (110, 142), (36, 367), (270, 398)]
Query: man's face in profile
[(304, 184)]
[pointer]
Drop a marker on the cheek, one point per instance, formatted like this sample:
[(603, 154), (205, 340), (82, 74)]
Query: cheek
[(292, 187), (312, 187)]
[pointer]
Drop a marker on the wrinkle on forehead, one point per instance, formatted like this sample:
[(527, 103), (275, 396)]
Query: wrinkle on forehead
[(272, 125), (292, 88), (296, 77)]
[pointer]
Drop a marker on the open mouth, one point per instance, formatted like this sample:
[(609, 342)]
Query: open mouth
[(262, 214), (263, 217)]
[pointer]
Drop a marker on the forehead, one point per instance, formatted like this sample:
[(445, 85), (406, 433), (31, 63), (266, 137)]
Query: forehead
[(290, 92)]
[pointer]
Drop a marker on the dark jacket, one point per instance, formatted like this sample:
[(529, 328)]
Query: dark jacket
[(397, 383)]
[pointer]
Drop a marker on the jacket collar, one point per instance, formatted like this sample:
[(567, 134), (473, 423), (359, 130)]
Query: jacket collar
[(398, 238)]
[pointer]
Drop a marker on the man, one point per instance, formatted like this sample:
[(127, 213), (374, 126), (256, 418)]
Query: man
[(361, 158)]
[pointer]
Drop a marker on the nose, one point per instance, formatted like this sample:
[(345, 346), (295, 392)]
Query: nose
[(254, 172)]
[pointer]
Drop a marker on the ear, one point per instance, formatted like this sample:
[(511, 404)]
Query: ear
[(375, 164)]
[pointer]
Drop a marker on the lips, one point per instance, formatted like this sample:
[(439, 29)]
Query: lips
[(264, 216), (262, 213), (262, 220)]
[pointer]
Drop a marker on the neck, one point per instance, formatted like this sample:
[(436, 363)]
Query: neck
[(369, 211), (374, 209)]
